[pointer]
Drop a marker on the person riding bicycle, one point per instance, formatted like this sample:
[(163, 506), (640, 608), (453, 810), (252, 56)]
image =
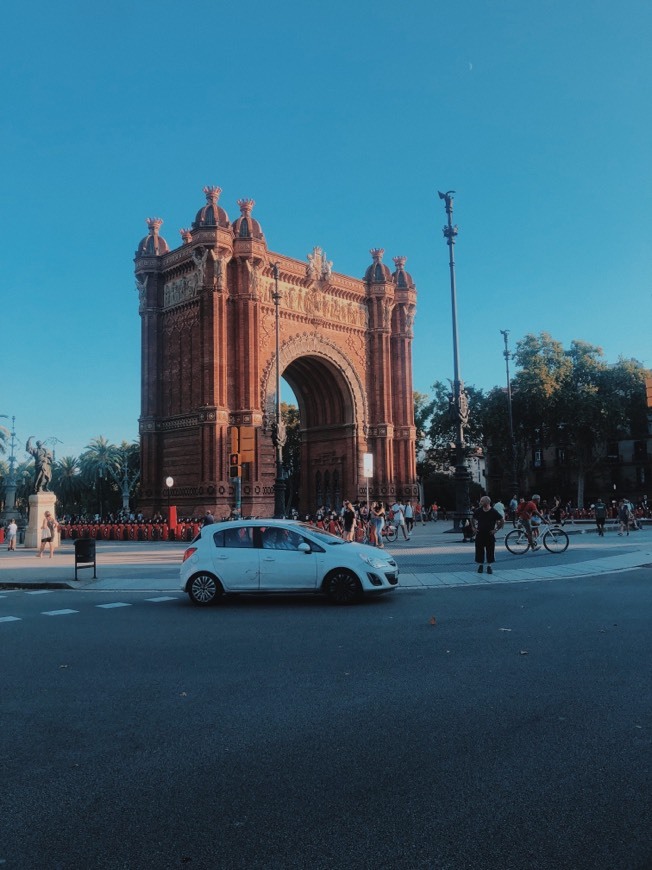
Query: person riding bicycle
[(525, 511)]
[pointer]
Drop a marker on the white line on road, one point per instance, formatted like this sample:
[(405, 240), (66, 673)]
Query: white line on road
[(116, 604), (10, 619), (58, 612), (163, 598)]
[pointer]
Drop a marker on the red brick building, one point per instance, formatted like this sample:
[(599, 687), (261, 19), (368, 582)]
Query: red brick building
[(208, 364)]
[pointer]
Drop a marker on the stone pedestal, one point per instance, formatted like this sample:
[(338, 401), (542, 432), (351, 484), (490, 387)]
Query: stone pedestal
[(39, 503)]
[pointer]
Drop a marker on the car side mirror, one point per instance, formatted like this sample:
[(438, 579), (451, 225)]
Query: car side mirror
[(304, 548)]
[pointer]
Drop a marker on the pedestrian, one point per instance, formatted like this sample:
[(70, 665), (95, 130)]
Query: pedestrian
[(513, 506), (600, 514), (623, 516), (208, 519), (408, 513), (48, 534), (525, 511), (500, 507), (557, 512), (348, 521), (398, 518), (486, 522), (12, 531), (378, 522)]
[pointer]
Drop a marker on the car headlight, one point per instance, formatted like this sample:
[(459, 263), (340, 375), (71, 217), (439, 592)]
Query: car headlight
[(374, 561)]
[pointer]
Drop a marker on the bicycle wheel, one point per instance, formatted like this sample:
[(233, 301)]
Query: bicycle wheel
[(555, 540), (517, 542), (391, 533)]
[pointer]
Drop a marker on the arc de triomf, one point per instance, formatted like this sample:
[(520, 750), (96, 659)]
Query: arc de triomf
[(209, 363)]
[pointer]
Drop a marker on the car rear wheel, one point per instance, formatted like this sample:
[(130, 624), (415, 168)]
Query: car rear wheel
[(204, 589), (343, 587)]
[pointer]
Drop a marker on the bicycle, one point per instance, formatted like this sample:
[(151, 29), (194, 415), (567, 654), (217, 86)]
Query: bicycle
[(554, 539)]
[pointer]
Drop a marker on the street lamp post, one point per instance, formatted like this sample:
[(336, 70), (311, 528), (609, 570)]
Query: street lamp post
[(278, 427), (512, 440), (169, 482), (459, 402), (10, 512)]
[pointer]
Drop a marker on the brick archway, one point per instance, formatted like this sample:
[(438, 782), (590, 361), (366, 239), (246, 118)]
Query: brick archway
[(333, 409), (208, 366)]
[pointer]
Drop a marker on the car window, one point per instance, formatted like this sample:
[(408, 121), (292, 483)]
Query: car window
[(324, 537), (234, 538), (275, 538)]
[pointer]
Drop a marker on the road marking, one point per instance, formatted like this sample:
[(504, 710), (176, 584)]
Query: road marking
[(163, 598), (38, 591), (116, 604), (10, 619), (58, 612)]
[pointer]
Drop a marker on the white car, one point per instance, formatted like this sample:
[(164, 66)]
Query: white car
[(282, 556)]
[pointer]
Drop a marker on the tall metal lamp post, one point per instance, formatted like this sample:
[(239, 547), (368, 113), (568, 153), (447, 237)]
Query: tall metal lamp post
[(459, 402), (512, 441), (169, 482), (278, 427), (10, 512)]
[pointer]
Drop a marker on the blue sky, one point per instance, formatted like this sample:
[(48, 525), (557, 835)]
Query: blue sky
[(342, 120)]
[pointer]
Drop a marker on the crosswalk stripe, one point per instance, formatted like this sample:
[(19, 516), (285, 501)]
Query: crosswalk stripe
[(58, 612), (10, 619), (116, 604), (163, 598)]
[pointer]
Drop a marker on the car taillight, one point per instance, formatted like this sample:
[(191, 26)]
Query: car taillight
[(189, 553)]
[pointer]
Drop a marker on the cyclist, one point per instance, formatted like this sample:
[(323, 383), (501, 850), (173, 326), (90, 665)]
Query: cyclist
[(525, 511)]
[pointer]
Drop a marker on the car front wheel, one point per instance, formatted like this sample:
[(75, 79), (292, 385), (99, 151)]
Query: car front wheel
[(343, 587), (204, 589)]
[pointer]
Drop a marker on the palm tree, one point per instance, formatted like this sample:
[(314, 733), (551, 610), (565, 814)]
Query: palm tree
[(68, 484), (99, 463)]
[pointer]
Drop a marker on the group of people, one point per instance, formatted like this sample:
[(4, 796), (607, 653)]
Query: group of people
[(368, 521)]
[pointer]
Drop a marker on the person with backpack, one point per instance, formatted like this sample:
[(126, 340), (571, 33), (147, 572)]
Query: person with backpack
[(600, 514)]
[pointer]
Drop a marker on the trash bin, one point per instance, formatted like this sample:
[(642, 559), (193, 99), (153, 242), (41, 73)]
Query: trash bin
[(85, 555)]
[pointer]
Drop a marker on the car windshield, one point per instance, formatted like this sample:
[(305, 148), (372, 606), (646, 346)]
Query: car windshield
[(321, 535)]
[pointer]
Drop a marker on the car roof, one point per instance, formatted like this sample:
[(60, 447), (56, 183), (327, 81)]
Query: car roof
[(258, 521)]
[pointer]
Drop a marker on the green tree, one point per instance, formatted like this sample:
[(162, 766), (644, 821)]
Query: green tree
[(99, 465), (291, 452), (441, 427), (68, 484), (575, 398)]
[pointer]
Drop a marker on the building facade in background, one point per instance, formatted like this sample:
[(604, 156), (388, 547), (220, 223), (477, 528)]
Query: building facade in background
[(208, 368)]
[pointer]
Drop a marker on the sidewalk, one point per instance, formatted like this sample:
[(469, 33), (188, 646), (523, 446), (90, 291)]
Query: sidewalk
[(433, 557)]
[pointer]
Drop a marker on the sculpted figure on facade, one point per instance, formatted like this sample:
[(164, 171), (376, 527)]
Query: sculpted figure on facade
[(199, 257), (253, 279), (318, 268), (141, 287)]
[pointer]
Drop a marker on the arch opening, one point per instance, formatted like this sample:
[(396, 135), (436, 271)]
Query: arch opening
[(327, 433)]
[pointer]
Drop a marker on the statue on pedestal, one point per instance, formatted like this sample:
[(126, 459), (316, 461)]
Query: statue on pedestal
[(42, 464)]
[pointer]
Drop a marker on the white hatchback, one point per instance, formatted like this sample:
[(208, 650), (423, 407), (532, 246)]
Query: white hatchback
[(282, 556)]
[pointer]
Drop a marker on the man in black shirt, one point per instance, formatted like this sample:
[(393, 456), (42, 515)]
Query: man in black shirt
[(486, 522)]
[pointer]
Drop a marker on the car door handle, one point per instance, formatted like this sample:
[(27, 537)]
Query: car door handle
[(269, 558)]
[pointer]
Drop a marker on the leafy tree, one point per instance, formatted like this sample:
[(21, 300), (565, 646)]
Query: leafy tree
[(576, 399), (99, 465), (291, 452), (68, 484), (441, 427)]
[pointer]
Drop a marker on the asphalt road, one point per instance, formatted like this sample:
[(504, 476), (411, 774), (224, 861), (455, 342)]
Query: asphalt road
[(514, 732)]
